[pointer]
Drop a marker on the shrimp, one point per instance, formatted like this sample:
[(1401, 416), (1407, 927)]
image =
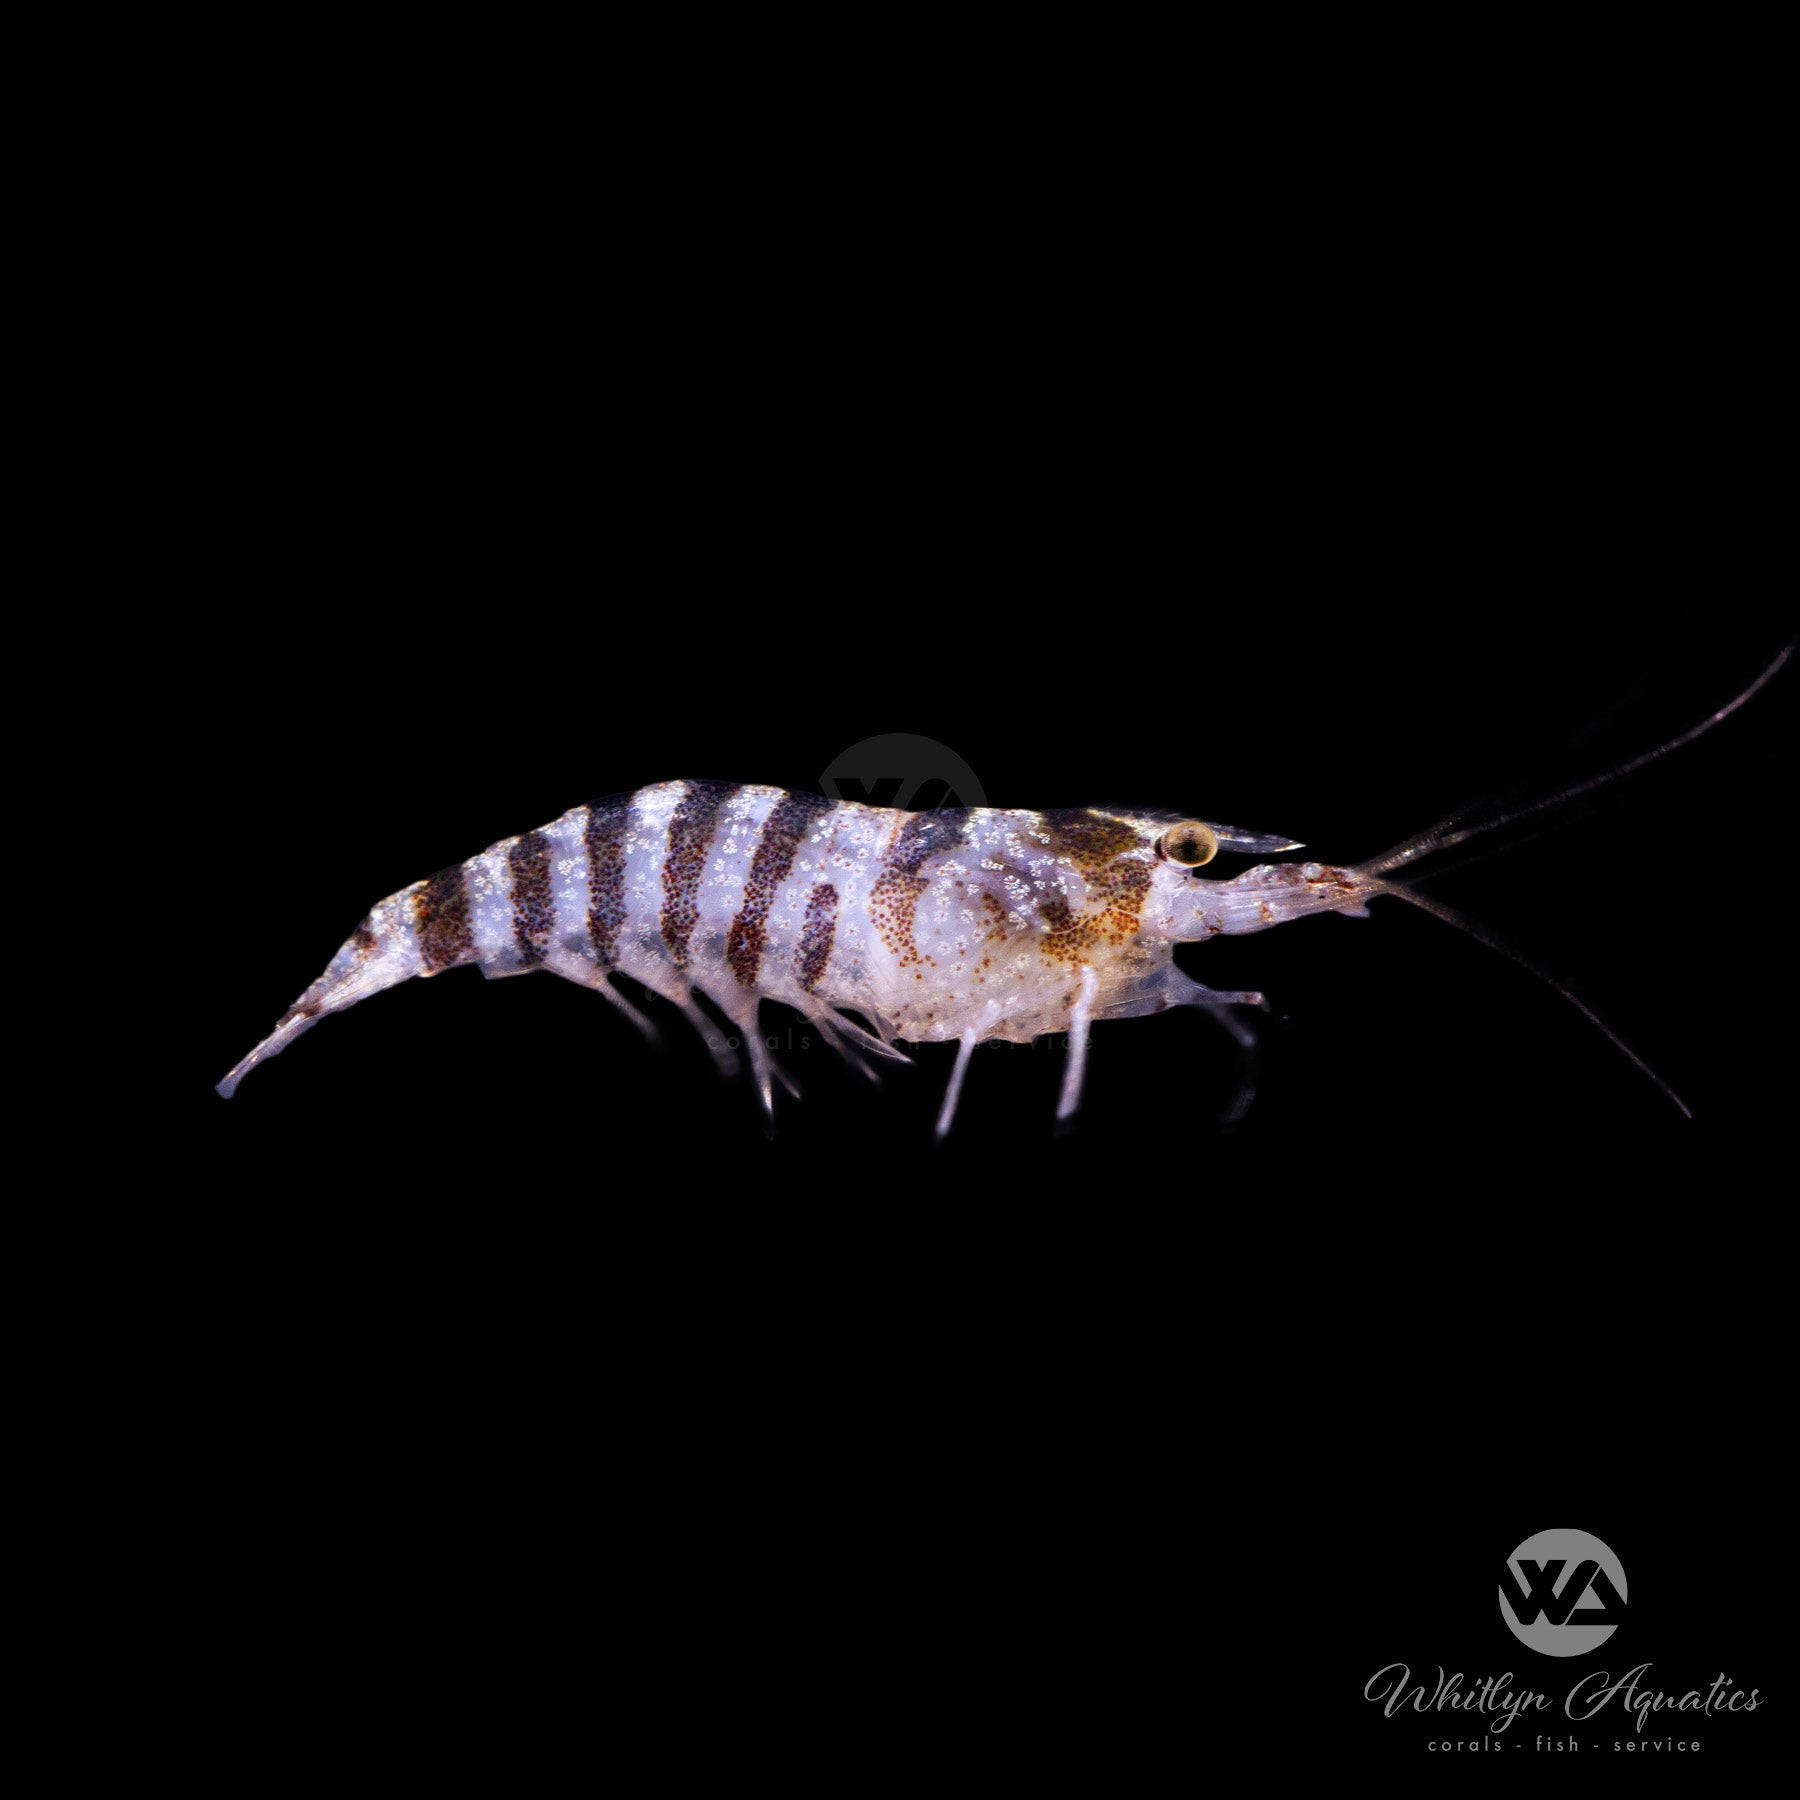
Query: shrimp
[(881, 926)]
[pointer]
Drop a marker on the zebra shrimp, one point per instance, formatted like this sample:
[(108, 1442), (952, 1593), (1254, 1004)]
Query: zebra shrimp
[(954, 925)]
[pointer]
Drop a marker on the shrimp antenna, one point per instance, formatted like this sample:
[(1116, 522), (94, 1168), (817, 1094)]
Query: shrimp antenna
[(1482, 935), (1440, 836)]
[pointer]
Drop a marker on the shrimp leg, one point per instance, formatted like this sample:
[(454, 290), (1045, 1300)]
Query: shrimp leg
[(1080, 1014), (947, 1113), (560, 960)]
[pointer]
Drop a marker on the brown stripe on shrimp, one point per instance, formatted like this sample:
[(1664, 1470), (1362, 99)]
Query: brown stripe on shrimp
[(787, 826), (607, 823), (894, 899), (1089, 839), (817, 934), (691, 831), (441, 915), (534, 912)]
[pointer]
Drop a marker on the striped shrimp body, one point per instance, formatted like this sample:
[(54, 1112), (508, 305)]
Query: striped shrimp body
[(950, 925), (965, 925)]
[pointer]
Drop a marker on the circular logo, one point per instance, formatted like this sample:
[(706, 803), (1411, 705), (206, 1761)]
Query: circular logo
[(1562, 1593), (902, 769)]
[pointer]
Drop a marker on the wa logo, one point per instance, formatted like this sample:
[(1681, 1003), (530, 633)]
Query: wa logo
[(1562, 1593), (902, 769)]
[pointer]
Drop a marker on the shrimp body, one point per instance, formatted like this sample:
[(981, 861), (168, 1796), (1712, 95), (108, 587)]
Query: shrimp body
[(966, 925)]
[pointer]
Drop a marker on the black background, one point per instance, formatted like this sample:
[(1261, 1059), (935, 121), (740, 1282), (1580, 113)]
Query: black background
[(533, 1364)]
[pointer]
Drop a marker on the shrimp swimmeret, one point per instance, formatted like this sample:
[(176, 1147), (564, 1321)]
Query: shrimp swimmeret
[(952, 925)]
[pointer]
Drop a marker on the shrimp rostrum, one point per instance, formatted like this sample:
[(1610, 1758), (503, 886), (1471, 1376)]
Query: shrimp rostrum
[(954, 926)]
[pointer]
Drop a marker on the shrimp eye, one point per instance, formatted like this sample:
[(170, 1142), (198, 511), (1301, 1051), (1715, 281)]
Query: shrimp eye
[(1190, 843)]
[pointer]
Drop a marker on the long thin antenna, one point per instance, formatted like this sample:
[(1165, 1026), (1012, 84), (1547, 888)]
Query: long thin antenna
[(1482, 935), (1440, 837)]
